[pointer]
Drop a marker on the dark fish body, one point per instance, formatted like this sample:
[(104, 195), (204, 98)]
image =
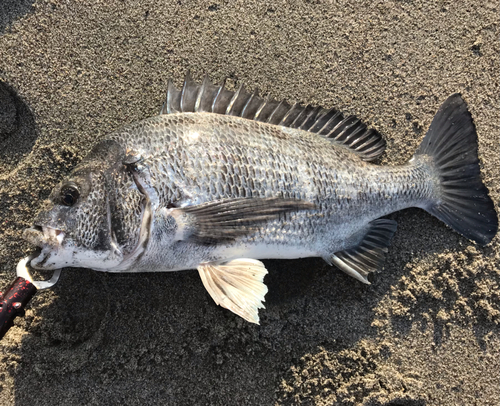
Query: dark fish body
[(225, 178), (248, 159)]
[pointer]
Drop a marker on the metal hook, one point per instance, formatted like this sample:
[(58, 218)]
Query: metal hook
[(23, 272)]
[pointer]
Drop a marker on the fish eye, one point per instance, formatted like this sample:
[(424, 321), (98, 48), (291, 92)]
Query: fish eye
[(69, 195)]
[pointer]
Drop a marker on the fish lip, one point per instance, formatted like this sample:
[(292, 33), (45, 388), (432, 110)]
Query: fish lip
[(43, 236)]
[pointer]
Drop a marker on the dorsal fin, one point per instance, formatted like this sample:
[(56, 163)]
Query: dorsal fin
[(348, 132)]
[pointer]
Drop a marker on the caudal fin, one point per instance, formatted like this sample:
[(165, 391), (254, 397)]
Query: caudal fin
[(462, 201)]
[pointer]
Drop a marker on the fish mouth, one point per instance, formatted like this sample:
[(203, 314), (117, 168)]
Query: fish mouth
[(43, 236)]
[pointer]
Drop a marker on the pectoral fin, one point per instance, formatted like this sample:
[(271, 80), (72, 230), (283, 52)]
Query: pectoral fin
[(227, 219), (236, 285)]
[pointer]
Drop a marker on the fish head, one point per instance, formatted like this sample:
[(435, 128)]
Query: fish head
[(74, 227)]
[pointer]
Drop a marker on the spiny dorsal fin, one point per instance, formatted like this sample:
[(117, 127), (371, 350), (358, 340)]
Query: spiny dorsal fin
[(369, 255), (348, 132)]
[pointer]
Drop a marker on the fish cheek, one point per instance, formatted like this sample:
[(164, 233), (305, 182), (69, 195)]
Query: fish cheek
[(90, 225), (87, 220), (125, 205)]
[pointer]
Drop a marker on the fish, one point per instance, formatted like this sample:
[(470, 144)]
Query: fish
[(220, 180)]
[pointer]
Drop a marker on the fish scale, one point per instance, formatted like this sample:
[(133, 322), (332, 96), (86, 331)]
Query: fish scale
[(316, 170), (222, 179)]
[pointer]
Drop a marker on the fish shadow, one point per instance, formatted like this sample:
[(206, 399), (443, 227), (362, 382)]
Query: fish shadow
[(442, 282), (13, 10), (105, 333), (17, 128)]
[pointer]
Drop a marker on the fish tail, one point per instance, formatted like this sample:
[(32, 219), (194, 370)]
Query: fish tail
[(461, 199)]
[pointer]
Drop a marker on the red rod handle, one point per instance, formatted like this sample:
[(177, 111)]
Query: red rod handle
[(13, 302)]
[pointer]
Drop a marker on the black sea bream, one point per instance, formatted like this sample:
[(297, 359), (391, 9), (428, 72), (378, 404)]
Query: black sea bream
[(221, 179)]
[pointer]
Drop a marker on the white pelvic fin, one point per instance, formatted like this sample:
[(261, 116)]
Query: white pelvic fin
[(236, 285)]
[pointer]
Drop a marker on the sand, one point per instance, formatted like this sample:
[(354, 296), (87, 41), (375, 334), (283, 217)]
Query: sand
[(426, 332)]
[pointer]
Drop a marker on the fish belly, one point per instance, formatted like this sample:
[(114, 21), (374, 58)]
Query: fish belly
[(264, 251)]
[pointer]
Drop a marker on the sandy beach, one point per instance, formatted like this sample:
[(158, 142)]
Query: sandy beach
[(425, 332)]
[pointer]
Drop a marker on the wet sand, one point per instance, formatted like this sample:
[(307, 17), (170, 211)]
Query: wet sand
[(425, 332)]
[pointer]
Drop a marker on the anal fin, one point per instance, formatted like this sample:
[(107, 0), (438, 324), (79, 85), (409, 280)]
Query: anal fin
[(369, 255), (236, 285)]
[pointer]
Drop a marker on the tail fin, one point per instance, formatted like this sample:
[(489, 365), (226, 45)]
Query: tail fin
[(463, 202)]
